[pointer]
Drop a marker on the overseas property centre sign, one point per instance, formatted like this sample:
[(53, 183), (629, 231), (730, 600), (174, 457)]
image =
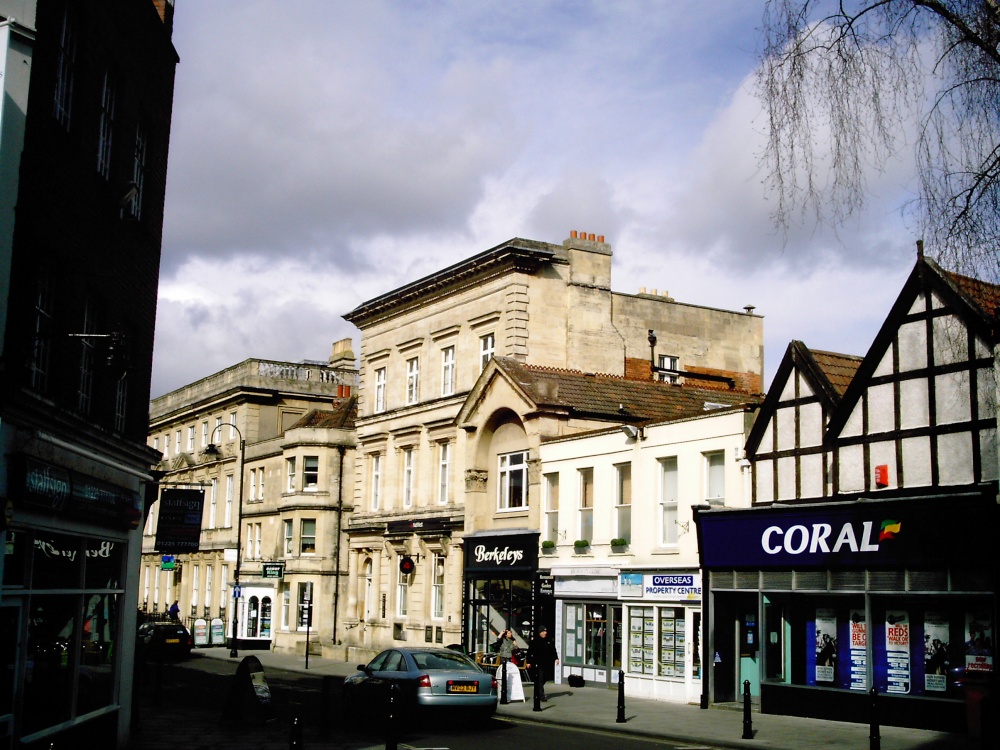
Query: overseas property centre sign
[(668, 587)]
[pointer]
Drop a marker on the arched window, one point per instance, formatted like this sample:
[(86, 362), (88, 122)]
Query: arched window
[(253, 617)]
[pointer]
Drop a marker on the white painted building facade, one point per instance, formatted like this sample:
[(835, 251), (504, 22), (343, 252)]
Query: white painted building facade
[(630, 600)]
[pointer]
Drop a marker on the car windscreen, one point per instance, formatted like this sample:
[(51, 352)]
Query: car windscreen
[(444, 661)]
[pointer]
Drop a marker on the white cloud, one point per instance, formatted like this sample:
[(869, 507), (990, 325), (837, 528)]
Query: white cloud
[(324, 153)]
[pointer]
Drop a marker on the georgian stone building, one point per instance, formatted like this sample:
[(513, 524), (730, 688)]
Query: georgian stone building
[(271, 445), (448, 444)]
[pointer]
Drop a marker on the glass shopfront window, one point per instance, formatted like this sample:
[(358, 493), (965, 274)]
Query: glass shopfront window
[(657, 641), (593, 635), (918, 646), (72, 590)]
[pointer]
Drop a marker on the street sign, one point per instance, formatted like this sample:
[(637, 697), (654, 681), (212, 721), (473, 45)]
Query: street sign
[(237, 591), (272, 570)]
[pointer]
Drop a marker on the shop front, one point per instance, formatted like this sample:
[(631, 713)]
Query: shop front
[(67, 611), (502, 589), (817, 604), (589, 624), (663, 633), (256, 612)]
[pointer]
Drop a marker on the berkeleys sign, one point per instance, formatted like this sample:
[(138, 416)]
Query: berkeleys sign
[(505, 556), (818, 537), (501, 554)]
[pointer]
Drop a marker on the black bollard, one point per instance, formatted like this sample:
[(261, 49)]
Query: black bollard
[(621, 697), (295, 739), (391, 729), (747, 720), (504, 700), (874, 740), (537, 691), (325, 712)]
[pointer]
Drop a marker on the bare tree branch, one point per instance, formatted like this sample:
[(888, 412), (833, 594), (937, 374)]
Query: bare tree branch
[(846, 84)]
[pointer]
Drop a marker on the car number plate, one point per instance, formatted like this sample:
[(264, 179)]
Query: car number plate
[(463, 687), (172, 640)]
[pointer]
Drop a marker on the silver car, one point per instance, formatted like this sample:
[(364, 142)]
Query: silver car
[(428, 678)]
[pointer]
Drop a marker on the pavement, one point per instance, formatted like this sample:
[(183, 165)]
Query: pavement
[(164, 722)]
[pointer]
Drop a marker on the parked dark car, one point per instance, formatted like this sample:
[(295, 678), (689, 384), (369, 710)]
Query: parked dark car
[(164, 640), (429, 678)]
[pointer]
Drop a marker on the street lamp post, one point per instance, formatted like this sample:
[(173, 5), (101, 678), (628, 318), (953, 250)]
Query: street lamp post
[(213, 450)]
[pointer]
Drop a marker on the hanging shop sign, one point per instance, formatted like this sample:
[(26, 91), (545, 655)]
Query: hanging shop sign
[(179, 525), (272, 570)]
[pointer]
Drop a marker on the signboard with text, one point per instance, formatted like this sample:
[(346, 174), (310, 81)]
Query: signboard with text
[(179, 525)]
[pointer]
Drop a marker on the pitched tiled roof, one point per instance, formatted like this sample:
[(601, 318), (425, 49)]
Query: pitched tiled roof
[(839, 369), (614, 398), (341, 417), (980, 294)]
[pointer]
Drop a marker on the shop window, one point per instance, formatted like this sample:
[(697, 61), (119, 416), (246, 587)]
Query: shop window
[(641, 640), (587, 634), (253, 617), (265, 617), (71, 636), (672, 645)]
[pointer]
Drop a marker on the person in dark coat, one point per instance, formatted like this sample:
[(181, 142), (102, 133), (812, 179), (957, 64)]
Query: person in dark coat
[(542, 654)]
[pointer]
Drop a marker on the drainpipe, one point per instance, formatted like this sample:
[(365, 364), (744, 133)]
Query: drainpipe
[(340, 533)]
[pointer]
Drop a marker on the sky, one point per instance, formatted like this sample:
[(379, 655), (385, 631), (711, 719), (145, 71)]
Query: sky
[(324, 152)]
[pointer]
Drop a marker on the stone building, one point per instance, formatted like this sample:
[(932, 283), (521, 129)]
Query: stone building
[(443, 457), (867, 561), (271, 446), (86, 99)]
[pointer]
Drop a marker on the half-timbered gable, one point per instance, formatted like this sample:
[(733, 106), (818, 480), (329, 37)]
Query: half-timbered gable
[(921, 411), (787, 446)]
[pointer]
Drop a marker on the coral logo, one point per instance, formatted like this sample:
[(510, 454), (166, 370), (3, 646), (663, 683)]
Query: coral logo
[(889, 529)]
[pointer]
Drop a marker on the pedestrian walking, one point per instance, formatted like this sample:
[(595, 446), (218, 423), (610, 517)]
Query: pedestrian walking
[(542, 654)]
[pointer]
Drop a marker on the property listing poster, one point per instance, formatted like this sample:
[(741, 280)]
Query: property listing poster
[(979, 646), (936, 644), (859, 650), (897, 650), (826, 645)]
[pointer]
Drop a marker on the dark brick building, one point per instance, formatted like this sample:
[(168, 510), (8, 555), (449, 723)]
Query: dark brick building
[(84, 134)]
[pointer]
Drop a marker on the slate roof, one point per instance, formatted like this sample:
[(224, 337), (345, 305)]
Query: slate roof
[(341, 417), (839, 369), (614, 398)]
